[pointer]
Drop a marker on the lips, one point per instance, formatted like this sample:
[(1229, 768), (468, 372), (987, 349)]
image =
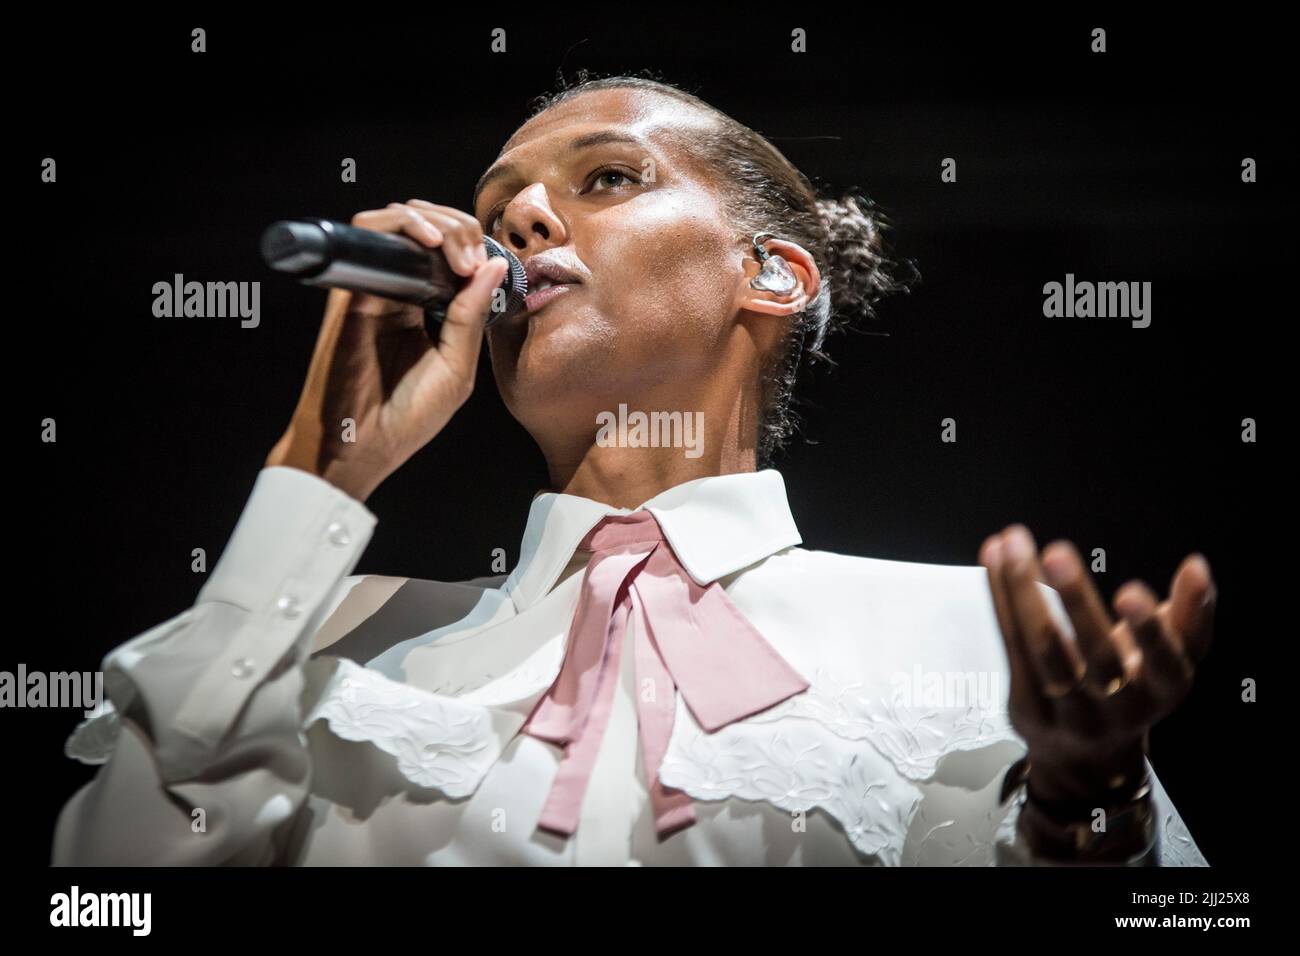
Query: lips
[(547, 271), (536, 300), (547, 280)]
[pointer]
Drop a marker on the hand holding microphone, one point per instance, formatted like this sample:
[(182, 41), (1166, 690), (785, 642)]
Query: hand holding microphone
[(379, 388), (334, 255)]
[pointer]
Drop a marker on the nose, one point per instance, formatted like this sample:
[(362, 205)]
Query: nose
[(530, 224)]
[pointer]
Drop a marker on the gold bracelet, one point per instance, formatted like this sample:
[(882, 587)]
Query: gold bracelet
[(1127, 822)]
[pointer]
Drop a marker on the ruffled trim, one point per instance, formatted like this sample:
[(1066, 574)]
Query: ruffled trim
[(443, 739), (914, 738), (93, 740), (443, 743), (798, 769), (450, 743), (872, 792)]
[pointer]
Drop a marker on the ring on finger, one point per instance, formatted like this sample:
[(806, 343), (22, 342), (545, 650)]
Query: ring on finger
[(1055, 690)]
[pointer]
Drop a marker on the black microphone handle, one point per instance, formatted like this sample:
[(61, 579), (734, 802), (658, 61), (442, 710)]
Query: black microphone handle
[(329, 254)]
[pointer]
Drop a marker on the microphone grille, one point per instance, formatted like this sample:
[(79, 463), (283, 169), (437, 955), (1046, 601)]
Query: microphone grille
[(515, 282)]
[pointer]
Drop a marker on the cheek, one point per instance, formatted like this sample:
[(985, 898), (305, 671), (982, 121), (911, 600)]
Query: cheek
[(658, 309), (664, 271)]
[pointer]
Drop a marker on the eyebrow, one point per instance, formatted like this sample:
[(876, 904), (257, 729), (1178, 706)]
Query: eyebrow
[(585, 141)]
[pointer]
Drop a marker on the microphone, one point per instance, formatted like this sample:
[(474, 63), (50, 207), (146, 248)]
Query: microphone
[(322, 252)]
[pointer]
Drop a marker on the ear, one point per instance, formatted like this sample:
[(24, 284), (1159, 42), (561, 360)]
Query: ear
[(769, 303)]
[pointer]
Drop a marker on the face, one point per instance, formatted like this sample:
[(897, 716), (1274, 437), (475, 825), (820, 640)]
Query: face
[(604, 186)]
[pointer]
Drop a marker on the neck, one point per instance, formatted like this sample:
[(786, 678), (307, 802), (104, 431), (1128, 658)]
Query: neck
[(622, 466)]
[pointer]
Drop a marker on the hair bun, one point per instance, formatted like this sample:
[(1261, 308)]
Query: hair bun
[(860, 270)]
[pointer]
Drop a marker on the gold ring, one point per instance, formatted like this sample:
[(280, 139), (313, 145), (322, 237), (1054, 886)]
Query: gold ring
[(1055, 690), (1115, 685)]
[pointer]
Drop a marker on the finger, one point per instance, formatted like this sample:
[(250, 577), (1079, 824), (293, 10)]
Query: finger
[(396, 218), (1024, 696), (462, 237), (1192, 599), (1096, 634), (461, 336), (1135, 703), (1165, 669), (1055, 658), (450, 211), (417, 223)]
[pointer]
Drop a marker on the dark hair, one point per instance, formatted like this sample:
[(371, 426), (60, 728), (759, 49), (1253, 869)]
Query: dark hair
[(764, 192)]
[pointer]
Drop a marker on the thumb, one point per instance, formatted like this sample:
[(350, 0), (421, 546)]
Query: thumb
[(461, 336)]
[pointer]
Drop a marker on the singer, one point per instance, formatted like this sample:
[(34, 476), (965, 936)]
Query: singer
[(666, 677)]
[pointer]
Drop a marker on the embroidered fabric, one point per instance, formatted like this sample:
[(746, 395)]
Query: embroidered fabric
[(812, 759), (803, 755)]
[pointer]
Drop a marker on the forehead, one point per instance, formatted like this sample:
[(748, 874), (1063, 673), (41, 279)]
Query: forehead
[(662, 122), (645, 113)]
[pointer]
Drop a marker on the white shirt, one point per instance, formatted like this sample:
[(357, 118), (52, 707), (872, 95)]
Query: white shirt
[(299, 714)]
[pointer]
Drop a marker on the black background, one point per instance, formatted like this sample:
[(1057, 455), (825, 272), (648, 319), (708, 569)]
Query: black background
[(1122, 167)]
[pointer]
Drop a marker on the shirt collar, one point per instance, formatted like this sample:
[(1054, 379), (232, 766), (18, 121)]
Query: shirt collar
[(715, 525)]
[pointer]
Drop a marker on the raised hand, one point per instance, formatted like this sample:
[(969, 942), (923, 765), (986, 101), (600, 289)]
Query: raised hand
[(375, 365), (1084, 706)]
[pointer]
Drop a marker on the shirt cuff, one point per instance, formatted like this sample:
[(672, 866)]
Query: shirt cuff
[(296, 540), (291, 517)]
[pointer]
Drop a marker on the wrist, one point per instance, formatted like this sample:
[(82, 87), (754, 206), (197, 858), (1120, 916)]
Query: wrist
[(1121, 834), (1086, 811), (292, 452), (1070, 788)]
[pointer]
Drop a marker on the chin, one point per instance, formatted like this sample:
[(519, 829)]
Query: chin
[(559, 357)]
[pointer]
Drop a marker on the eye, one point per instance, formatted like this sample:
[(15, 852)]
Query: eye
[(492, 220), (609, 177), (602, 180)]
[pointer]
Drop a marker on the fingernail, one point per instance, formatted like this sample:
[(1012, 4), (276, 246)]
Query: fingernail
[(1016, 545), (1055, 568), (430, 231), (1128, 604)]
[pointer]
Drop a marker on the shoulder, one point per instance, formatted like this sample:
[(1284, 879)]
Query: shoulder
[(378, 610), (884, 607), (900, 580), (886, 578)]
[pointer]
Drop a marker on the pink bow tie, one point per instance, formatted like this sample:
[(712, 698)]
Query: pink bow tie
[(688, 638)]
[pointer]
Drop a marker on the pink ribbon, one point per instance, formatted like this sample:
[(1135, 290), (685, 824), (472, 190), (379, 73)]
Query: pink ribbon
[(689, 639)]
